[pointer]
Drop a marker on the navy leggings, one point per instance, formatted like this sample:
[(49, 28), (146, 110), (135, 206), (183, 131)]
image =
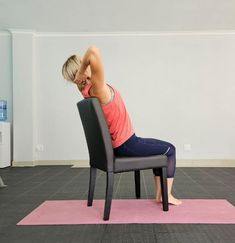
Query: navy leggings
[(137, 146)]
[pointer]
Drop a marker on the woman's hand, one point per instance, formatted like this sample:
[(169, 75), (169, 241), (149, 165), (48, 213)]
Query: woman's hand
[(80, 78)]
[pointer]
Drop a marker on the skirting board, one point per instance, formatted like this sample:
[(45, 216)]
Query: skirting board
[(73, 163), (85, 163)]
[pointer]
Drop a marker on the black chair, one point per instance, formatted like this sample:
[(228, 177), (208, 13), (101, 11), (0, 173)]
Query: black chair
[(102, 156)]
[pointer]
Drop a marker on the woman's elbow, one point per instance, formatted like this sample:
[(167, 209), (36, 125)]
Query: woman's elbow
[(94, 50)]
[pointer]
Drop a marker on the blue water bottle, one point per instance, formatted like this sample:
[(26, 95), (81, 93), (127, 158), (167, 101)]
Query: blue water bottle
[(3, 110)]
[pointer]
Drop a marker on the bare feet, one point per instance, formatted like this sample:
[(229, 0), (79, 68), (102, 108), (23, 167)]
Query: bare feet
[(171, 200), (174, 201)]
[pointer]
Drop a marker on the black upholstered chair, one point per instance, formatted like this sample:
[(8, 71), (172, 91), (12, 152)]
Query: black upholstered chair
[(102, 156)]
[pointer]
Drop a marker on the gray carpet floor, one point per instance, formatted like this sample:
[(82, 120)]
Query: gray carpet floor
[(29, 187)]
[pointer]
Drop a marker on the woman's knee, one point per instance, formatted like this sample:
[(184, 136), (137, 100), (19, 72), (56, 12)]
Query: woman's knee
[(172, 150)]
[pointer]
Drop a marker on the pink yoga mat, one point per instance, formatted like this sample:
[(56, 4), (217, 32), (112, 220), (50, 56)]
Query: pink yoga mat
[(141, 211)]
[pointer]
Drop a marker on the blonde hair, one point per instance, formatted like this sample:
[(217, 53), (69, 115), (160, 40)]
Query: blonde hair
[(71, 66)]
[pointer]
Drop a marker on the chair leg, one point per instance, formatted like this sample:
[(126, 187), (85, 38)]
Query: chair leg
[(164, 188), (137, 183), (91, 186), (109, 194)]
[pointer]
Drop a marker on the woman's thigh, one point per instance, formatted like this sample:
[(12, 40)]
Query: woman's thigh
[(144, 147)]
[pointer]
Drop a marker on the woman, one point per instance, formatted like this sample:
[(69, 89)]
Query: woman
[(88, 75)]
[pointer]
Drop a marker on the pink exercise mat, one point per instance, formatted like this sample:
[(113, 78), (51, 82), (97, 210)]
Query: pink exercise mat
[(141, 211)]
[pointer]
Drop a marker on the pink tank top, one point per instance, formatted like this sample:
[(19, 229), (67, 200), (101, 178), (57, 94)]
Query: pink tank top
[(117, 117)]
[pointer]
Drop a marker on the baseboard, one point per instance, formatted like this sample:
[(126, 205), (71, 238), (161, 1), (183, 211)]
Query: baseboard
[(205, 163), (73, 163), (85, 163), (81, 164), (23, 163)]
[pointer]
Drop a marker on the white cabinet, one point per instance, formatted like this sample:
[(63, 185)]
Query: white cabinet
[(5, 144)]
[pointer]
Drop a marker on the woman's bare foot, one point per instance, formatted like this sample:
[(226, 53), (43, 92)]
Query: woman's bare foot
[(159, 198), (171, 200), (174, 201)]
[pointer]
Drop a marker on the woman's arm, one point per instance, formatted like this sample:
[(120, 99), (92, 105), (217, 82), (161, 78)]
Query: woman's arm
[(92, 59)]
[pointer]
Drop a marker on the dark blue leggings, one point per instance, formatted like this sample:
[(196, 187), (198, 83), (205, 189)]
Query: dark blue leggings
[(137, 146)]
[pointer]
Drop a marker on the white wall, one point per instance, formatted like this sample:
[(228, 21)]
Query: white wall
[(6, 71), (178, 87)]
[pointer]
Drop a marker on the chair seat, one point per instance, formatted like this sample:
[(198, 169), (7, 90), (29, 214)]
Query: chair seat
[(122, 164)]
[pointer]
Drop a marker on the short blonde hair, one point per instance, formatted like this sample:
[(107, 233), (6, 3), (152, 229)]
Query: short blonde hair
[(71, 66)]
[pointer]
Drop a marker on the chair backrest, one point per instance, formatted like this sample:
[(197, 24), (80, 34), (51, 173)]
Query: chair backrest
[(97, 134)]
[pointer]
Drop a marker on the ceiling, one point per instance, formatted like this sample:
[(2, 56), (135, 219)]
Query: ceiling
[(117, 15)]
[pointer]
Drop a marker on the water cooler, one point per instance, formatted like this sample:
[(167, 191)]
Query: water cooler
[(5, 144)]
